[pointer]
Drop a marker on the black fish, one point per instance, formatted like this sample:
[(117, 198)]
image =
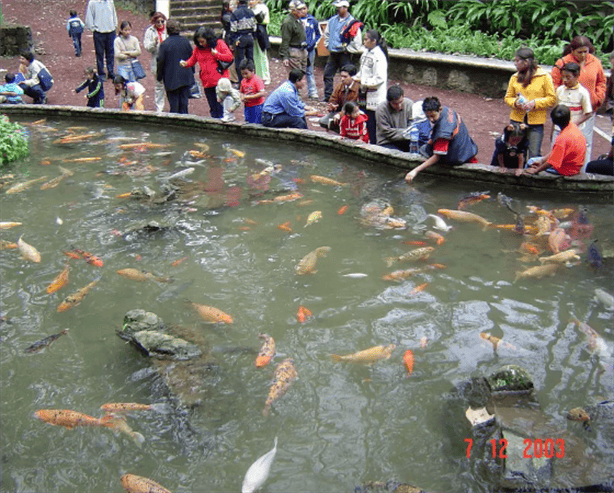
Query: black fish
[(593, 256), (519, 227), (37, 346), (506, 201)]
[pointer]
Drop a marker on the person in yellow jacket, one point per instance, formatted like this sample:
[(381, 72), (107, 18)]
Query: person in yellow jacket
[(530, 93)]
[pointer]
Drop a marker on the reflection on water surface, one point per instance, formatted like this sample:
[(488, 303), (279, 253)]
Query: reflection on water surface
[(229, 230)]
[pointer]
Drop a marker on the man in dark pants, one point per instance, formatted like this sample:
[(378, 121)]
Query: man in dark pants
[(283, 108), (101, 19), (177, 79), (340, 53), (242, 29), (293, 48)]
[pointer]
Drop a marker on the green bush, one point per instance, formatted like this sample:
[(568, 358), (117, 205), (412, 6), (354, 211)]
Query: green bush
[(13, 141)]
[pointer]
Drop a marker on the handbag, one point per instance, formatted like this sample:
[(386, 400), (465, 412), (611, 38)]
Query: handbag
[(137, 68), (45, 79), (221, 66)]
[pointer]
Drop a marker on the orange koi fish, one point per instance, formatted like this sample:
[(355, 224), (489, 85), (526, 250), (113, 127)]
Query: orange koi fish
[(303, 314), (237, 153), (39, 122), (562, 213), (75, 138), (89, 258), (537, 272), (141, 275), (211, 314), (367, 356), (127, 407), (267, 351), (179, 261), (342, 210), (139, 484), (541, 212), (8, 245), (59, 282), (307, 264), (83, 159), (487, 336), (74, 255), (531, 248), (197, 154), (71, 419), (408, 359), (284, 374), (471, 199), (9, 224), (285, 226), (20, 187), (326, 181), (142, 145), (431, 235), (559, 240), (76, 298), (464, 217), (418, 288), (411, 256), (414, 242), (123, 195)]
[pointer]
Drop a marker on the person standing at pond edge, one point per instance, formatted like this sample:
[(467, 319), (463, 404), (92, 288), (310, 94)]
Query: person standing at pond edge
[(152, 39), (450, 142), (101, 19), (340, 52), (313, 35), (127, 49), (530, 93), (592, 77)]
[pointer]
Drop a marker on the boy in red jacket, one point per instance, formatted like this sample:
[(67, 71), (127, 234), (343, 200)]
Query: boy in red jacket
[(353, 123)]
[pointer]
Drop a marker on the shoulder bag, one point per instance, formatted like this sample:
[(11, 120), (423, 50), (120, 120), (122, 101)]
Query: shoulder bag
[(45, 79)]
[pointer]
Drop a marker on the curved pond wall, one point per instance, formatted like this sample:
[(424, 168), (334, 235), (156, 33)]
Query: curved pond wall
[(603, 185)]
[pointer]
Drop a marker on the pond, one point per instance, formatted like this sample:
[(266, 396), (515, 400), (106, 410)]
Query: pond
[(226, 241)]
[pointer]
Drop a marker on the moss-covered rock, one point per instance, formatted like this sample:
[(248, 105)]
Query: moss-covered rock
[(138, 321), (510, 378), (165, 346)]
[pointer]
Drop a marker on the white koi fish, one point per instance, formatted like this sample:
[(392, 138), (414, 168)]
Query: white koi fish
[(440, 223), (258, 472)]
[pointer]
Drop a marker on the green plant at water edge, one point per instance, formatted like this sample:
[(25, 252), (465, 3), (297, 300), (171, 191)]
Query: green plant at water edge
[(13, 141)]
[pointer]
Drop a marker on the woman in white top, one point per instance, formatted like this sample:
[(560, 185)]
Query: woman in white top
[(127, 49), (153, 37), (373, 77)]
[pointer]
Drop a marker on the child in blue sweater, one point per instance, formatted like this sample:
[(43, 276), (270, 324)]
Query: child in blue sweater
[(95, 88), (10, 93), (74, 26)]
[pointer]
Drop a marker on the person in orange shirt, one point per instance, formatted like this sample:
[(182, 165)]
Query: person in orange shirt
[(592, 77), (567, 155)]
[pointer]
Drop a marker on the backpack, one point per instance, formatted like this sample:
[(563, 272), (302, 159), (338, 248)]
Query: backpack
[(75, 27), (349, 31)]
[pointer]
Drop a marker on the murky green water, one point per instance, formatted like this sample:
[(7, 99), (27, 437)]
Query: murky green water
[(339, 425)]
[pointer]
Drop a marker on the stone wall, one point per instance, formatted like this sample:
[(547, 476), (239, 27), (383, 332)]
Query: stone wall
[(14, 40)]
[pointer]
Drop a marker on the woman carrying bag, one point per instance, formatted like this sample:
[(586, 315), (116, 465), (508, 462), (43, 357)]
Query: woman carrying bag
[(127, 50)]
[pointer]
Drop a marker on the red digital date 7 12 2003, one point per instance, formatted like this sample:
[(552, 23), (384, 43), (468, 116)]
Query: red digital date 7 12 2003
[(533, 448)]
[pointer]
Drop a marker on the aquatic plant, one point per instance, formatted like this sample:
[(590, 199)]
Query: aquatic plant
[(13, 141)]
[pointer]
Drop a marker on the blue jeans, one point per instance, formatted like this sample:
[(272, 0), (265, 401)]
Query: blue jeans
[(217, 110), (76, 41), (535, 134), (312, 90), (35, 92), (253, 114), (103, 44), (283, 120), (245, 49)]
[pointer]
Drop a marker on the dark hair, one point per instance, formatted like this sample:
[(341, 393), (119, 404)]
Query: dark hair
[(350, 68), (173, 26), (125, 24), (28, 55), (73, 13), (9, 77), (394, 93), (90, 70), (431, 104), (118, 79), (296, 74), (349, 107), (207, 34), (515, 129), (247, 64), (158, 15), (579, 42), (560, 115), (525, 76), (572, 67), (379, 40)]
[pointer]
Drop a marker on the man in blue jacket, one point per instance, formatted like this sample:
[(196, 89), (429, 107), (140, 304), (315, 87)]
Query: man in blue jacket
[(283, 108), (340, 51), (312, 34)]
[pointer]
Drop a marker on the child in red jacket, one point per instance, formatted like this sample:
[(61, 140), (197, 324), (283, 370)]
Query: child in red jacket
[(353, 123)]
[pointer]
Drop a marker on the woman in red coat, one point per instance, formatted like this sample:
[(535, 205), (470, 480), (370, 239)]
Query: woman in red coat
[(208, 50)]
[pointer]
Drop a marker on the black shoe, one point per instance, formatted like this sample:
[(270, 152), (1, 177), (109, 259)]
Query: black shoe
[(77, 54), (111, 76)]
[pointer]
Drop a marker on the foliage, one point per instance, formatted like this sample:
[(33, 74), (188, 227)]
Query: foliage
[(13, 141)]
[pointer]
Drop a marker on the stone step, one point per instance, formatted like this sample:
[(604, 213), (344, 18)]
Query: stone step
[(200, 10), (195, 3)]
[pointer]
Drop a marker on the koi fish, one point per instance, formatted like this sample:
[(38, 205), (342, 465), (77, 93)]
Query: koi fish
[(267, 351), (594, 256), (285, 226), (367, 356), (531, 248), (123, 195), (284, 374), (127, 407), (471, 199), (411, 256), (73, 255), (89, 258), (543, 226), (414, 243), (282, 198), (142, 275), (8, 225), (440, 223), (201, 145), (537, 272), (305, 202), (39, 122), (142, 145), (596, 343), (39, 345), (211, 314), (465, 217), (71, 419), (431, 235), (138, 484), (326, 181), (303, 314), (197, 154), (560, 258), (258, 472), (76, 298), (179, 261), (59, 281), (314, 217), (69, 139), (181, 174), (307, 264), (8, 245), (356, 275), (487, 336), (418, 288), (606, 298), (542, 212), (423, 341), (83, 159), (56, 181), (408, 359), (399, 275), (237, 153), (562, 213), (20, 187), (342, 210), (28, 252)]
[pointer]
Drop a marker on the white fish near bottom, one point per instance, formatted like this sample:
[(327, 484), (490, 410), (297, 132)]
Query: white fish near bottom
[(606, 298), (355, 275), (258, 472), (440, 223)]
